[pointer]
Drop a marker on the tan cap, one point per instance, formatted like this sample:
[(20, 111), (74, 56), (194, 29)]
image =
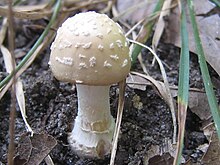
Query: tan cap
[(91, 49)]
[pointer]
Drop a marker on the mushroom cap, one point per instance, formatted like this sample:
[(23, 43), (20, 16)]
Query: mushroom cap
[(90, 49)]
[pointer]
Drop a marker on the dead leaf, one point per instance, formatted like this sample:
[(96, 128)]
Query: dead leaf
[(212, 156), (19, 86), (209, 29), (198, 104), (165, 159), (134, 11), (153, 151), (27, 12), (137, 82), (161, 23), (33, 150), (164, 154), (23, 150), (3, 30)]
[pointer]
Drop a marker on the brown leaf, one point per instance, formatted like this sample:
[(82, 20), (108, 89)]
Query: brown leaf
[(137, 82), (161, 155), (161, 23), (134, 11), (209, 29), (198, 103), (212, 156), (19, 86), (33, 150), (140, 81), (27, 12), (23, 150), (165, 159)]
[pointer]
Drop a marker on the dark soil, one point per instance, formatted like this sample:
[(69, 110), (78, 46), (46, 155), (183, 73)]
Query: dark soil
[(52, 106)]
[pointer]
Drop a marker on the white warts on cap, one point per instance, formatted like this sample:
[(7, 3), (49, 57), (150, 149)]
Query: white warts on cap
[(85, 33), (114, 57), (67, 44), (99, 35), (100, 47), (119, 43), (82, 65), (107, 65), (65, 60), (109, 30), (111, 46), (125, 63), (92, 61), (82, 56), (87, 45), (94, 27), (120, 32), (76, 33), (126, 44), (77, 45), (64, 44), (84, 45)]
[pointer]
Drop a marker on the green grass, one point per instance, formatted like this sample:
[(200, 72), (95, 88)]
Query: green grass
[(204, 70), (183, 83)]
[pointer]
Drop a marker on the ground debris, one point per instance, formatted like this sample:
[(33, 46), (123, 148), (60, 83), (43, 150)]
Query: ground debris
[(33, 150)]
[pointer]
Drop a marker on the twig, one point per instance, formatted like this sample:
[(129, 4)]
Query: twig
[(13, 98), (122, 85)]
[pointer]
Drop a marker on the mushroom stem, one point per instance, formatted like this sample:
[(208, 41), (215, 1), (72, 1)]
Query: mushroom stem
[(94, 126)]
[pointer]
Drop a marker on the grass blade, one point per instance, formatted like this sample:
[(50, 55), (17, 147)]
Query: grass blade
[(183, 87), (204, 70), (148, 29)]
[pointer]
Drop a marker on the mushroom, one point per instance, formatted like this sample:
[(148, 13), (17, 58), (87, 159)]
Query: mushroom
[(91, 51)]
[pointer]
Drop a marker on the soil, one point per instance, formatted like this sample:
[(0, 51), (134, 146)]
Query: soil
[(51, 107)]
